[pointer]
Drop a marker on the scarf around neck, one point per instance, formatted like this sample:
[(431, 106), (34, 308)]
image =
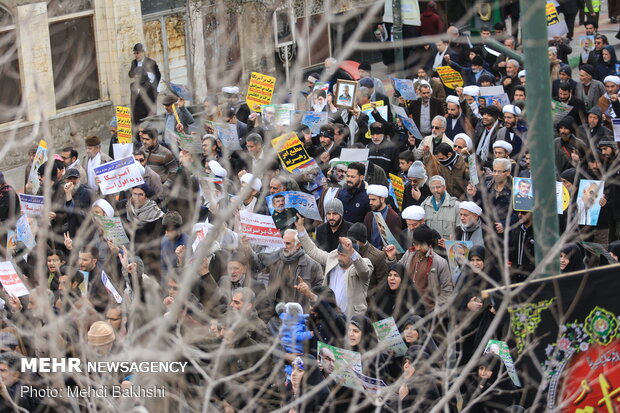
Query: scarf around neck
[(148, 212), (291, 258)]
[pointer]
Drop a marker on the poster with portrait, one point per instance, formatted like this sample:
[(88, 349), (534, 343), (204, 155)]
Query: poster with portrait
[(522, 194), (345, 93), (616, 126), (386, 235), (296, 201), (589, 201), (458, 251)]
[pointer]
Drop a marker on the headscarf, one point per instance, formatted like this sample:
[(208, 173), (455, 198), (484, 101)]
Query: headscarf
[(575, 257)]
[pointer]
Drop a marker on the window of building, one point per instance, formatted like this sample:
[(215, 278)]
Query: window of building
[(11, 96), (74, 61)]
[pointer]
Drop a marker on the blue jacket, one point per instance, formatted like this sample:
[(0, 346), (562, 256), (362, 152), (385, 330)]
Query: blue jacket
[(355, 203), (294, 332)]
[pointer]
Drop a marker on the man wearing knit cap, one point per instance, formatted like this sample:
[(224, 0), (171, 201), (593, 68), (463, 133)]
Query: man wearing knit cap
[(345, 271), (101, 338), (509, 132), (382, 151), (364, 70), (334, 227), (485, 133), (377, 195), (470, 225), (449, 163), (93, 158), (589, 90), (456, 122), (416, 190), (359, 234), (593, 130)]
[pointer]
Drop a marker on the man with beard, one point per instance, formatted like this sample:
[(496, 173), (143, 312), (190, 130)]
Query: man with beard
[(565, 95), (282, 217), (456, 121), (377, 195), (566, 143), (448, 163), (88, 261), (511, 79), (414, 217), (329, 233), (286, 267), (382, 151), (354, 197), (470, 226), (243, 301), (231, 97), (589, 90), (593, 131), (436, 137), (609, 102), (70, 158), (510, 132), (485, 133), (424, 109), (521, 248), (586, 202)]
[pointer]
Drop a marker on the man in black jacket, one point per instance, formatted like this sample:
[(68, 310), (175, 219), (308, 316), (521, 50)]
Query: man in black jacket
[(328, 233), (521, 248), (150, 65)]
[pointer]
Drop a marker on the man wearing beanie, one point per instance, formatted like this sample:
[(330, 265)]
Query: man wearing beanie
[(358, 232), (377, 195), (449, 163), (485, 133), (593, 131), (93, 158), (382, 151), (334, 227), (589, 90), (566, 143), (416, 190), (345, 271), (101, 338)]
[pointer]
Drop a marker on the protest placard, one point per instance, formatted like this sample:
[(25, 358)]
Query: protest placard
[(292, 152), (11, 282), (562, 197), (260, 229), (311, 178), (345, 364), (389, 336), (123, 124), (616, 125), (113, 230), (381, 108), (40, 158), (314, 120), (398, 185), (110, 287), (321, 86), (31, 204), (555, 26), (11, 240), (407, 122), (405, 88), (24, 232), (588, 201), (473, 170), (386, 235), (84, 284), (281, 113), (450, 77), (227, 134), (191, 142), (559, 110), (522, 194), (260, 91), (122, 150), (118, 175), (458, 251), (303, 203), (501, 349)]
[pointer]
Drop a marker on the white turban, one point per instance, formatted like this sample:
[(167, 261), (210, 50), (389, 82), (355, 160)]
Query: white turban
[(217, 169), (105, 205), (251, 180), (471, 207), (377, 190), (512, 109), (614, 79), (503, 144), (452, 99), (466, 138), (522, 73), (425, 83), (233, 90), (471, 90), (413, 212)]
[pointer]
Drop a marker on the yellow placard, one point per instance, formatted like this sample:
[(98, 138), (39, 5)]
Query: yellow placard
[(123, 124), (552, 14), (368, 106), (399, 188), (292, 152), (260, 91), (565, 198), (450, 77)]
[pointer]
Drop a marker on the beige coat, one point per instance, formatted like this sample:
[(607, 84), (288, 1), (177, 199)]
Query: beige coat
[(358, 274)]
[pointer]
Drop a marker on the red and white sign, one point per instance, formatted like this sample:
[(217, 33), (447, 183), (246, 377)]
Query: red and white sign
[(11, 282), (260, 229)]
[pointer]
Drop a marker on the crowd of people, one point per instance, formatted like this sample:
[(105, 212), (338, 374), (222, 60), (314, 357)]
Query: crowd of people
[(263, 326)]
